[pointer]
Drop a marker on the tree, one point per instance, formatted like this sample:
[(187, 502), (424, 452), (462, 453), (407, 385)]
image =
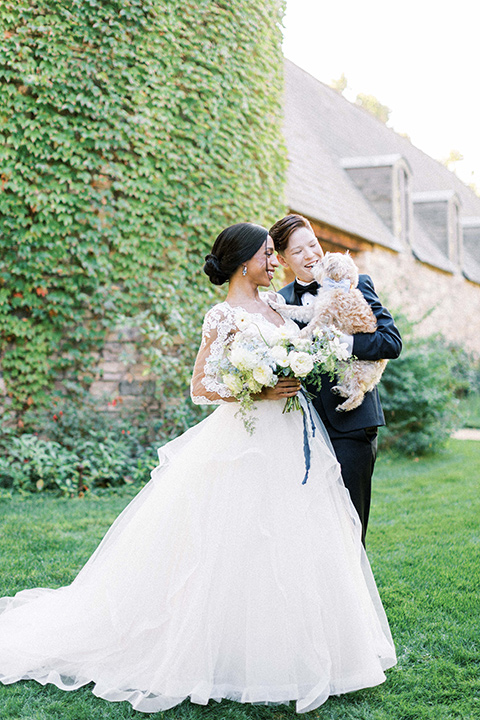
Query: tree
[(453, 158), (339, 85), (374, 106)]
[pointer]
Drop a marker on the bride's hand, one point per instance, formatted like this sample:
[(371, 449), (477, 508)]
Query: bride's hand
[(285, 387)]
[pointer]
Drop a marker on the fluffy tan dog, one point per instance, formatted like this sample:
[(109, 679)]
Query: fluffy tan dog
[(339, 303)]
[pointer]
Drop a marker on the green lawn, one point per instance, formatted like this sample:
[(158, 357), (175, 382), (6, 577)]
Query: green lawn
[(424, 545)]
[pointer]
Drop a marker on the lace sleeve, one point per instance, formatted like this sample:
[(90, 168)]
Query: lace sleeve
[(273, 296), (206, 388)]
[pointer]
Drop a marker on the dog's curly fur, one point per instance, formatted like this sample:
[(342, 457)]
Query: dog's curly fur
[(350, 313)]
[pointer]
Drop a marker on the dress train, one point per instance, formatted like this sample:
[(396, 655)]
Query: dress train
[(225, 577)]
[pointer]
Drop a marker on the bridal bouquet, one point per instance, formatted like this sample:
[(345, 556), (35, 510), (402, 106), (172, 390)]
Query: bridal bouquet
[(257, 357)]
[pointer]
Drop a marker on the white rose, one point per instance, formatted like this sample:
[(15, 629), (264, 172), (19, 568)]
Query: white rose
[(301, 363), (279, 355), (242, 358), (263, 374), (233, 383)]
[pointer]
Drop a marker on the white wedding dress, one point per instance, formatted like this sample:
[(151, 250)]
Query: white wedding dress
[(225, 577)]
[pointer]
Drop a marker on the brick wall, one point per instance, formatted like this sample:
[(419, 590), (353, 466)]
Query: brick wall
[(121, 375), (121, 379)]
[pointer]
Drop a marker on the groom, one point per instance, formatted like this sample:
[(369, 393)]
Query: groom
[(353, 433)]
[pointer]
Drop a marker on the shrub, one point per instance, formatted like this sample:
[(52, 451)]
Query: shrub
[(419, 393), (73, 450), (465, 370)]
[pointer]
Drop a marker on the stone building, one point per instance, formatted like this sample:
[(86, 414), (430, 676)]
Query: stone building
[(409, 222)]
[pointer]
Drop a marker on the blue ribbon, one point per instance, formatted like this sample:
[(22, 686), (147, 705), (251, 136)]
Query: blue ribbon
[(329, 284), (307, 416)]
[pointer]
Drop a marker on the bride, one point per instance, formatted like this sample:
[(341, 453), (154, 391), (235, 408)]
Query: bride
[(225, 577)]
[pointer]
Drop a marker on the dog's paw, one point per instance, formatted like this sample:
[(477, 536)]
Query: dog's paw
[(338, 390), (350, 404)]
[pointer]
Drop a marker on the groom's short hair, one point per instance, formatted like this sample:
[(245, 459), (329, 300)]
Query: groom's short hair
[(280, 232)]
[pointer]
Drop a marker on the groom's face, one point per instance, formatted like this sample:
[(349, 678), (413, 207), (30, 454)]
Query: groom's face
[(302, 253)]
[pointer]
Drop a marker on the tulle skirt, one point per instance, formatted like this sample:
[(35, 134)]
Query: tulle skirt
[(225, 577)]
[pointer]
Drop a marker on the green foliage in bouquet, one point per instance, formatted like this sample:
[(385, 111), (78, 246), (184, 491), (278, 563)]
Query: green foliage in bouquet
[(131, 134)]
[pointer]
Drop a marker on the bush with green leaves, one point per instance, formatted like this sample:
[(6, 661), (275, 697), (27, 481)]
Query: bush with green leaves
[(419, 393), (131, 133), (72, 450), (465, 369)]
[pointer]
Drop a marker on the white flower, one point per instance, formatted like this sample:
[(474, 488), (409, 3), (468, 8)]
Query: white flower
[(279, 355), (301, 343), (263, 374), (319, 331), (327, 331), (301, 363), (242, 319), (268, 334), (288, 332), (339, 349), (233, 383), (242, 358), (253, 385)]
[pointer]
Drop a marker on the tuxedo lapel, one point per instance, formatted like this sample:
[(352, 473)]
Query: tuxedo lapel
[(289, 294)]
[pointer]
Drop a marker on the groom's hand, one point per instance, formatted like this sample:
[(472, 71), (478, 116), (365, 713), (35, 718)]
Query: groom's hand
[(285, 387)]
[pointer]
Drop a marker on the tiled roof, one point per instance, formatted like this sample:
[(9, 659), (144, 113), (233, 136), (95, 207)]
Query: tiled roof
[(471, 268), (425, 249), (325, 133)]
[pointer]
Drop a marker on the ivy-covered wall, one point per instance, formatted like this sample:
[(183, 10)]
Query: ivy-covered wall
[(131, 133)]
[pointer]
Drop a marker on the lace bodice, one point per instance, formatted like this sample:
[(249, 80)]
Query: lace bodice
[(220, 323)]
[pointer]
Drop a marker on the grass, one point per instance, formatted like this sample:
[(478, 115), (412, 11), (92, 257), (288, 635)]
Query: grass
[(423, 543)]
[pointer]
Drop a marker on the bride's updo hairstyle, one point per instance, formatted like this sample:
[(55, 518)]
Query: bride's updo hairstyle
[(234, 246)]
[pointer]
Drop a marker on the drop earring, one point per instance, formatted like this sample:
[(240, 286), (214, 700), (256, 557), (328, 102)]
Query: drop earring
[(244, 271)]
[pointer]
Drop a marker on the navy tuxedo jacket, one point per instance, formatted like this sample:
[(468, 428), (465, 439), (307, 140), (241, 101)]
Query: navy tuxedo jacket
[(385, 343)]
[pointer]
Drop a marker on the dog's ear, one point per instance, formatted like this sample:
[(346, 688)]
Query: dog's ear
[(353, 274), (318, 270)]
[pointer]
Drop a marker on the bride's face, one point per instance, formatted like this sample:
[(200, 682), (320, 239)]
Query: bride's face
[(261, 266)]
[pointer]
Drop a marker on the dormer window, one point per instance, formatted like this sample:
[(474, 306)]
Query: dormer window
[(454, 233), (384, 180), (439, 215), (471, 248), (402, 203)]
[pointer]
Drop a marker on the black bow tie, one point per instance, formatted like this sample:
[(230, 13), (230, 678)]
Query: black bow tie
[(300, 289)]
